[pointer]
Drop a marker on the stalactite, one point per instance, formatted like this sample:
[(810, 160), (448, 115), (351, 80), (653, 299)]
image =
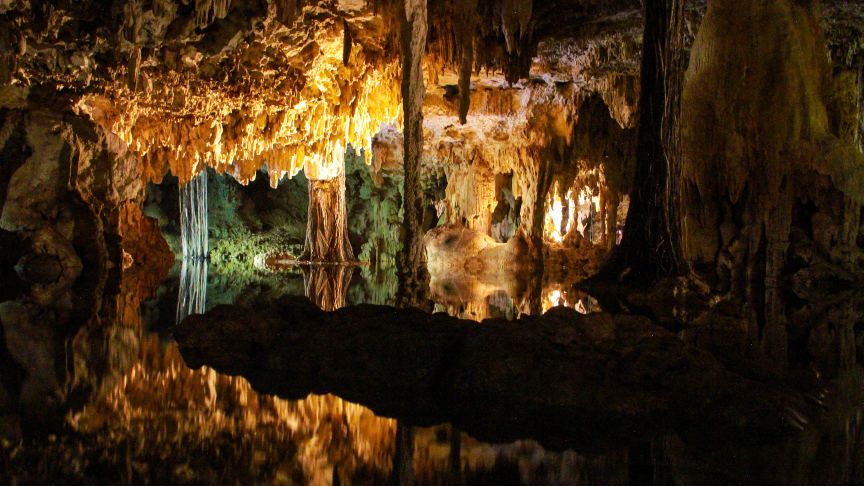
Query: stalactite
[(207, 11), (134, 69), (327, 226), (411, 267), (193, 218), (286, 11), (346, 43), (465, 45)]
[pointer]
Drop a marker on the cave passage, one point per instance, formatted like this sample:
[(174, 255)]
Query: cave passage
[(432, 242)]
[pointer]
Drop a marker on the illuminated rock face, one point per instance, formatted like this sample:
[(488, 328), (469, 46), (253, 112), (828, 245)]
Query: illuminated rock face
[(279, 92)]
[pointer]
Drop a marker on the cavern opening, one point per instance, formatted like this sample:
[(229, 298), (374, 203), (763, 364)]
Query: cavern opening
[(432, 242)]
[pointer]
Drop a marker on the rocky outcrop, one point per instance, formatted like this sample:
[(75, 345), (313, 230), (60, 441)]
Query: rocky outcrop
[(566, 379)]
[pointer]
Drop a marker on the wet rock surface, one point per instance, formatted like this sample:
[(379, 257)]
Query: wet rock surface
[(564, 379)]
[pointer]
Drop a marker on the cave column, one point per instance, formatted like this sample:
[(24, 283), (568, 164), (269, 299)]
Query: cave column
[(565, 214), (612, 202), (327, 225), (411, 261), (652, 245), (604, 205), (535, 236), (861, 108)]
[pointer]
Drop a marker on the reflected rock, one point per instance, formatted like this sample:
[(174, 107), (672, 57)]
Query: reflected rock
[(467, 265)]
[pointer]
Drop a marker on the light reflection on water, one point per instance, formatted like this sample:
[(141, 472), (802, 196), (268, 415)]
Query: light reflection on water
[(162, 400), (164, 423)]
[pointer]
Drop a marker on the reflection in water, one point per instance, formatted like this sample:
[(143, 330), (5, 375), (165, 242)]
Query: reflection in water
[(167, 421), (192, 298), (165, 424), (327, 285), (469, 271), (558, 295)]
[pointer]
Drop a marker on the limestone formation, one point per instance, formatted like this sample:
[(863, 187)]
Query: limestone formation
[(760, 159), (485, 154)]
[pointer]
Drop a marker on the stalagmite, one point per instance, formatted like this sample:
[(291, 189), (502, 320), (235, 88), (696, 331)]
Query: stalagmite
[(326, 227), (411, 265)]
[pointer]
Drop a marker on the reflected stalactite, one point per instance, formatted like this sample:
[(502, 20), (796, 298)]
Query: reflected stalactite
[(402, 473), (327, 285), (192, 298), (454, 461), (194, 419)]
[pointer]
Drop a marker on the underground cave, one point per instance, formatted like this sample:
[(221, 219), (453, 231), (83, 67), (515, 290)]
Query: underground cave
[(431, 242)]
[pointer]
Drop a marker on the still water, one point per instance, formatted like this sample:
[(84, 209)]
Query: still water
[(156, 421)]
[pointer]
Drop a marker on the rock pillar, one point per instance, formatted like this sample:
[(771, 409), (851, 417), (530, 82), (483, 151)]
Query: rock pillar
[(411, 261)]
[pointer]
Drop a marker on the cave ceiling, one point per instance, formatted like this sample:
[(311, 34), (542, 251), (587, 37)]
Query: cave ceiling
[(289, 83)]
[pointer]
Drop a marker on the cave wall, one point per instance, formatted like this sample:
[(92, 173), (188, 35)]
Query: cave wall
[(72, 199), (772, 192)]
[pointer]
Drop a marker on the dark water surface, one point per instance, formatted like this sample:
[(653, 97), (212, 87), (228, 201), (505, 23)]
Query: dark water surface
[(152, 420)]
